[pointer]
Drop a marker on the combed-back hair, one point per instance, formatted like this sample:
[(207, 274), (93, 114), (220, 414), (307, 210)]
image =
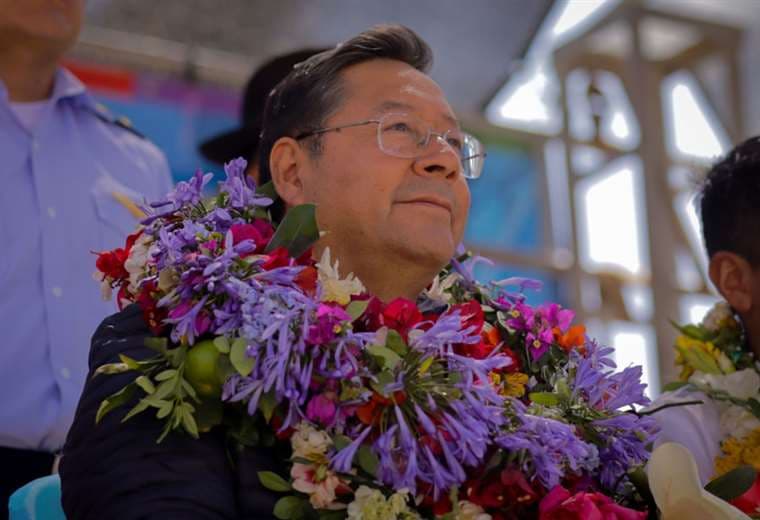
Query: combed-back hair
[(730, 203), (314, 89)]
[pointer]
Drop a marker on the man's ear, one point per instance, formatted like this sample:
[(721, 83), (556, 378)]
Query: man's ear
[(288, 165), (732, 275)]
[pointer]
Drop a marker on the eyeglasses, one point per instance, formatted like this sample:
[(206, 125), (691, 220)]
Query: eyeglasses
[(407, 137)]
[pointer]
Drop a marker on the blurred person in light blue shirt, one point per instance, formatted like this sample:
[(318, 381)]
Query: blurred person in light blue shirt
[(72, 177)]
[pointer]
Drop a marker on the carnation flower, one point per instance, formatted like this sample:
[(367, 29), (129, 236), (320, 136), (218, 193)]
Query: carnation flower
[(720, 315), (371, 504), (136, 261)]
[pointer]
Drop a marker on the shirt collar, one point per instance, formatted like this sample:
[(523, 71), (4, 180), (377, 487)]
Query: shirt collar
[(65, 86)]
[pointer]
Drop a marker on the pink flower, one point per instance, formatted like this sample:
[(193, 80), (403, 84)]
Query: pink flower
[(322, 493), (559, 504), (329, 318), (321, 410)]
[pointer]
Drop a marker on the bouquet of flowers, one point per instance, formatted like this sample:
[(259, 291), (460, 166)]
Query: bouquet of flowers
[(465, 404), (714, 361)]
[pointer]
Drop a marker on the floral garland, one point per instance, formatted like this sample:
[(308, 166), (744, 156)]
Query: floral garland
[(465, 404), (715, 361)]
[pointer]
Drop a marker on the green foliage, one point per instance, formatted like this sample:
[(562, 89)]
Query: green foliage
[(273, 481), (297, 232), (733, 484)]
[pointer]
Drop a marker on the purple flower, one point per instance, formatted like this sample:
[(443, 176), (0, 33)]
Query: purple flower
[(553, 447), (321, 410), (622, 446), (240, 187)]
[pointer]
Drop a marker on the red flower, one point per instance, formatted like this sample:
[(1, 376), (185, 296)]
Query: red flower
[(152, 315), (277, 258), (307, 280), (111, 263), (749, 502), (471, 314), (401, 315), (259, 231), (559, 504), (517, 489), (439, 507)]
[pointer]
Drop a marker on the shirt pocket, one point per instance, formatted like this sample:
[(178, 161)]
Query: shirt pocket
[(116, 208)]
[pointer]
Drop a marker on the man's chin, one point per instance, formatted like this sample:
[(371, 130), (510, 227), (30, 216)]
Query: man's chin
[(426, 251)]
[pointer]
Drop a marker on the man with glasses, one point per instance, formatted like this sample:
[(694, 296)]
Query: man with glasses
[(362, 132)]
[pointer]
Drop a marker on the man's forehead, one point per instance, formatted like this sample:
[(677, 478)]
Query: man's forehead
[(390, 105)]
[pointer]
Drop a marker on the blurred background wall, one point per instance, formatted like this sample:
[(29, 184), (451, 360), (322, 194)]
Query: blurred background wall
[(599, 116)]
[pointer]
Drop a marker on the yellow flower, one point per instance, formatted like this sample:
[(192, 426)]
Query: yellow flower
[(701, 356), (739, 452), (510, 385)]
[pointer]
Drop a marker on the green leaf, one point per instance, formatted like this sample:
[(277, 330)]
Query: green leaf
[(544, 398), (138, 408), (340, 442), (673, 386), (356, 308), (267, 190), (146, 384), (297, 231), (287, 508), (166, 375), (267, 404), (131, 363), (396, 343), (157, 344), (387, 358), (112, 368), (367, 460), (188, 423), (120, 398), (384, 378), (165, 409), (754, 406), (242, 363), (208, 414), (332, 515), (273, 481), (165, 389), (222, 344), (733, 484)]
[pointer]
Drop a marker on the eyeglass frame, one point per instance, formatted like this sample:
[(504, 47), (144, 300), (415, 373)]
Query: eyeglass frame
[(430, 132)]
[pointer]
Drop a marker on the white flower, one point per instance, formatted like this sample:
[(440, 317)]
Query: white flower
[(737, 422), (335, 289), (742, 384), (371, 504), (310, 443), (438, 289), (106, 292), (470, 511), (137, 260), (717, 316)]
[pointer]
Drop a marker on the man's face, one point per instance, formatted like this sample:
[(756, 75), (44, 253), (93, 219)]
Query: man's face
[(53, 23), (371, 203)]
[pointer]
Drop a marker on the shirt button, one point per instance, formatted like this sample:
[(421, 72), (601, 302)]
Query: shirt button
[(51, 212), (57, 292), (65, 373)]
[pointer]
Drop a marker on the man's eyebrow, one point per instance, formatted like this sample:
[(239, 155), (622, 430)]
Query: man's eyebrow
[(386, 106)]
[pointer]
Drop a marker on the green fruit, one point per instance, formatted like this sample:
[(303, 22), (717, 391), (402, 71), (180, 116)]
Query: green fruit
[(200, 368)]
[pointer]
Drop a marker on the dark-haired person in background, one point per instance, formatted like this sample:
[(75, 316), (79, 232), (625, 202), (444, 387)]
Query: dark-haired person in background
[(729, 203), (244, 140), (394, 210)]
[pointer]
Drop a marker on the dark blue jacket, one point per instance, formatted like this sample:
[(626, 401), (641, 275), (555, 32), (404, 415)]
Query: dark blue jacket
[(116, 470)]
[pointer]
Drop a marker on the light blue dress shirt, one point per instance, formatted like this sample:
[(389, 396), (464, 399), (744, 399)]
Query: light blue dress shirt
[(57, 206)]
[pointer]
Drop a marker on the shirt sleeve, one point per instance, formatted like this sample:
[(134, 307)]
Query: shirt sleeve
[(697, 427), (118, 470)]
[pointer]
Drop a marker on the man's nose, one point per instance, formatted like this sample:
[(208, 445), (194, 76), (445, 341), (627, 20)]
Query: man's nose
[(440, 158)]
